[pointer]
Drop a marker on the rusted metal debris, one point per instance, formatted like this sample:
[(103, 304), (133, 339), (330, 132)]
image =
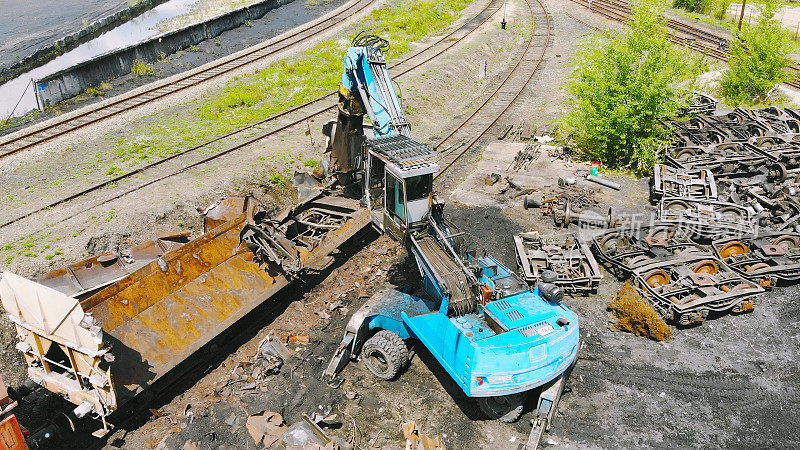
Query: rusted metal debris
[(415, 440), (554, 201), (101, 330), (677, 182), (707, 219), (683, 280), (728, 216), (86, 277), (526, 157), (624, 250), (768, 259), (701, 104), (686, 289), (569, 258)]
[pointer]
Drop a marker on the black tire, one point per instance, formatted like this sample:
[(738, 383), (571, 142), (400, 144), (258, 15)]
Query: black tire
[(385, 354), (505, 408)]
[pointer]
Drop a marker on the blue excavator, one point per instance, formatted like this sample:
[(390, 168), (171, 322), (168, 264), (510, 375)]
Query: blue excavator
[(498, 338)]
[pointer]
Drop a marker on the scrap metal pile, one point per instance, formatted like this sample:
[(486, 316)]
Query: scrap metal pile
[(682, 279), (567, 259), (727, 224)]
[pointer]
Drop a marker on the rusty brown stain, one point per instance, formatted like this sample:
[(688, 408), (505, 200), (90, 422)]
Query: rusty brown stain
[(162, 316)]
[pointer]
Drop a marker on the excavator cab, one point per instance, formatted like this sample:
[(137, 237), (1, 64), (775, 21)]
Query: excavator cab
[(399, 183)]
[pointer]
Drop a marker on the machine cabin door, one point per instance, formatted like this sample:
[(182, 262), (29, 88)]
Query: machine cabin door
[(375, 189), (395, 217)]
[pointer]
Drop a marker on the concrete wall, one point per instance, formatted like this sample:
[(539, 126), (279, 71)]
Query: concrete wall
[(45, 54), (72, 81)]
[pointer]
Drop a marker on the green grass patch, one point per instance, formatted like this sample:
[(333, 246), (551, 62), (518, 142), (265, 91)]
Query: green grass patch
[(140, 68), (286, 83), (311, 163), (278, 179)]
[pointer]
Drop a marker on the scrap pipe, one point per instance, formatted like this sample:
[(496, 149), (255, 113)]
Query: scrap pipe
[(604, 182), (530, 202), (587, 217)]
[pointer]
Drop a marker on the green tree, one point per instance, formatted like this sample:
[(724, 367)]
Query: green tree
[(758, 60), (624, 83)]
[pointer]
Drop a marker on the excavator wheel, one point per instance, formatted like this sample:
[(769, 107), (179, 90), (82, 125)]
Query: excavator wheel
[(505, 408), (385, 354), (733, 248)]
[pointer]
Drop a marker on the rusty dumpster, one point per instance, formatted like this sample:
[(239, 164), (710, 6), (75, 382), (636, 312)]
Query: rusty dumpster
[(102, 330)]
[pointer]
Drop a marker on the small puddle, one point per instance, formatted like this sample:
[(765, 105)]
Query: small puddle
[(17, 95)]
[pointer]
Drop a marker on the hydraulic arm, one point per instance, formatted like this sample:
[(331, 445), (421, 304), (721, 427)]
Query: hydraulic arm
[(365, 89)]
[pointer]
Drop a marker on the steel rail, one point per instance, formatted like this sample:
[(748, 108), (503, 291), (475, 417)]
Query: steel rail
[(186, 80), (449, 40), (620, 11), (518, 90)]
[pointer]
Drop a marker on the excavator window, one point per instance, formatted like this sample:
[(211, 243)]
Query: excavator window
[(419, 187), (395, 199), (376, 176)]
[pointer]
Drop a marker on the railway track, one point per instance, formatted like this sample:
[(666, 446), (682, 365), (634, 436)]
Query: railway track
[(685, 34), (486, 115), (126, 102), (290, 118)]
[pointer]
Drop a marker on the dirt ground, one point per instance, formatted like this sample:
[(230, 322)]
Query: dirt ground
[(732, 382)]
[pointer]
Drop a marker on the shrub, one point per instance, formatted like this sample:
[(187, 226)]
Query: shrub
[(758, 60), (634, 314), (625, 82), (720, 8), (693, 5), (140, 68), (717, 8)]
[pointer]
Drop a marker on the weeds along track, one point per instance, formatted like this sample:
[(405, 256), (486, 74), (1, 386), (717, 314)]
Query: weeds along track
[(684, 34), (37, 134), (459, 141), (292, 117)]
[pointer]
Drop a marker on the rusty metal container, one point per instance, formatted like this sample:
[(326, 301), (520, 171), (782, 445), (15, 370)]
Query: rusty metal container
[(102, 330)]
